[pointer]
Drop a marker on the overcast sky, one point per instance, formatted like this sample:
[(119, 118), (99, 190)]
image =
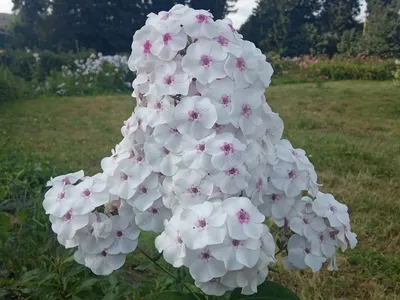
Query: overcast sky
[(245, 7)]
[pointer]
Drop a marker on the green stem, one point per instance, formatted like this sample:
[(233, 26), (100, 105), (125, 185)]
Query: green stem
[(168, 272)]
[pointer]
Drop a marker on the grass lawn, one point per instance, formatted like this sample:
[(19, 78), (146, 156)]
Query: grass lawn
[(350, 129)]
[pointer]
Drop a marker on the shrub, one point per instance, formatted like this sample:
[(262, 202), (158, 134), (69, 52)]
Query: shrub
[(396, 73), (11, 87)]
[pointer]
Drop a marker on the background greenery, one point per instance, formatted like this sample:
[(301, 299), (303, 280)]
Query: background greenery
[(350, 129)]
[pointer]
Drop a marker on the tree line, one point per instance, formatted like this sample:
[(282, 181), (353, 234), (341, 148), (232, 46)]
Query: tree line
[(285, 27), (294, 27), (104, 25)]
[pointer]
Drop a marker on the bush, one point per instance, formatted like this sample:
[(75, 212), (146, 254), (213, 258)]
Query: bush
[(11, 86)]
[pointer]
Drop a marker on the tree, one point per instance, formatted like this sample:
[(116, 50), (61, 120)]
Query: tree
[(219, 8), (281, 26), (382, 34)]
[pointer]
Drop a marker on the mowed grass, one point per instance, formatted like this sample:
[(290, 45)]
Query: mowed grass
[(351, 130)]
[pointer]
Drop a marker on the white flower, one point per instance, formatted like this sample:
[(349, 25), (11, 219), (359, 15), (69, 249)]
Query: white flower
[(69, 224), (104, 263), (70, 178), (203, 266), (213, 287), (202, 225), (244, 69), (158, 110), (204, 61), (59, 199), (244, 220), (160, 159), (195, 152), (307, 224), (192, 188), (199, 23), (276, 204), (245, 110), (324, 241), (302, 255), (171, 40), (91, 193), (167, 18), (233, 180), (170, 243), (153, 218), (171, 80), (195, 116), (168, 136), (226, 151), (142, 47), (288, 178), (326, 206), (97, 235), (220, 93), (237, 254), (146, 193), (125, 234), (258, 184)]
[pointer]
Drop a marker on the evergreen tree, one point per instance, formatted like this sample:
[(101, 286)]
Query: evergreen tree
[(219, 8)]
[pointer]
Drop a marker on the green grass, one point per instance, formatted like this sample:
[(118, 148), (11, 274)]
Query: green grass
[(351, 130)]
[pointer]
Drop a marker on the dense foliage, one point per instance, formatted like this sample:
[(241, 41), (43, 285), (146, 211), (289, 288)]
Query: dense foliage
[(307, 27)]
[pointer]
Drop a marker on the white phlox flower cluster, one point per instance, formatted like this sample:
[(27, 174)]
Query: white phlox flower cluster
[(203, 163)]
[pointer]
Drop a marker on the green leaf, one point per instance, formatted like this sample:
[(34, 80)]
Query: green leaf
[(269, 290), (172, 295), (144, 266), (88, 283)]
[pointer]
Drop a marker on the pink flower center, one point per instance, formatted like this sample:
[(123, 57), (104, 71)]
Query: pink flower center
[(259, 184), (158, 105), (146, 47), (202, 18), (86, 193), (227, 148), (226, 100), (143, 190), (119, 233), (308, 205), (193, 115), (123, 176), (66, 180), (205, 255), (307, 250), (275, 197), (332, 208), (166, 38), (139, 159), (61, 196), (218, 127), (235, 243), (132, 154), (201, 147), (306, 221), (205, 60), (231, 27), (246, 110), (233, 172), (166, 151), (223, 41), (292, 174), (153, 211), (194, 190), (168, 80), (67, 217), (321, 237), (201, 223), (240, 64), (333, 233), (243, 216), (295, 153), (104, 253), (173, 131)]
